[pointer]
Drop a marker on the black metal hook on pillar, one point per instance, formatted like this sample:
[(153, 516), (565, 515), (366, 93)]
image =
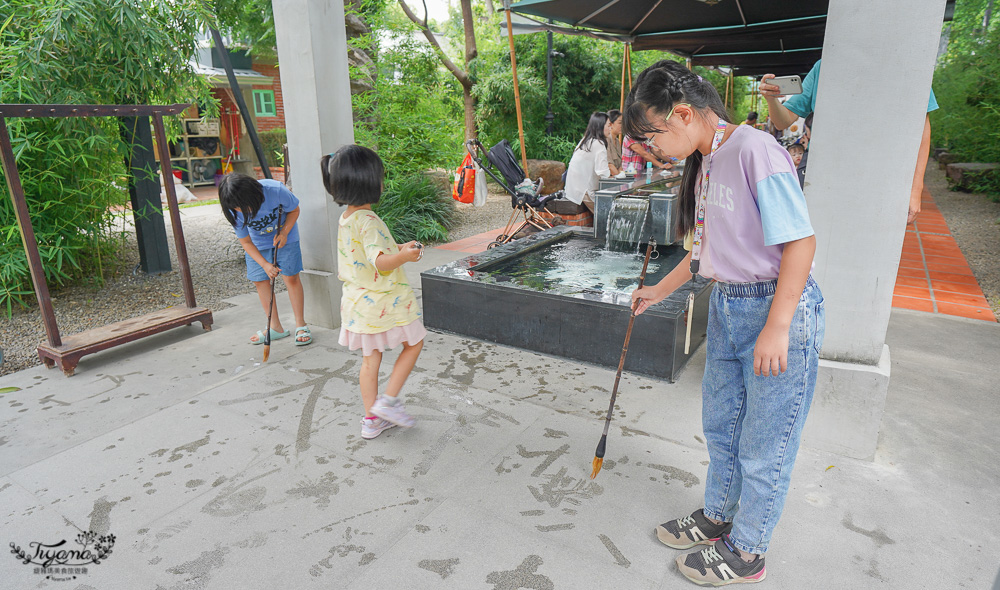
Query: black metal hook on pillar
[(240, 103)]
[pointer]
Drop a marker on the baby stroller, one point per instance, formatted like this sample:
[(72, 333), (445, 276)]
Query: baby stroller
[(524, 197)]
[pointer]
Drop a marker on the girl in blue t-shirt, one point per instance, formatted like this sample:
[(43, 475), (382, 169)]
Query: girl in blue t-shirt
[(251, 206), (749, 230)]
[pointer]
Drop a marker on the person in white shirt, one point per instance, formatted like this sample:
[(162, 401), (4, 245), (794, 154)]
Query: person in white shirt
[(589, 163)]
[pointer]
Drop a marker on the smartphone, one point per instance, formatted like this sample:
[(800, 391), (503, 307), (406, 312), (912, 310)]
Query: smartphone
[(787, 84)]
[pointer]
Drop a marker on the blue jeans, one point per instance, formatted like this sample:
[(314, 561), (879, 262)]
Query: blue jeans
[(753, 424)]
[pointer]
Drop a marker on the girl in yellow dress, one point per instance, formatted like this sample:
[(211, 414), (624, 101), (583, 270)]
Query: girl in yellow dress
[(378, 310)]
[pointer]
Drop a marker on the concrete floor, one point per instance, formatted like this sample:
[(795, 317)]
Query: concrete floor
[(213, 471)]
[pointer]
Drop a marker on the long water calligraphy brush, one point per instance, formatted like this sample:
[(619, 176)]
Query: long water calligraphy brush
[(270, 308), (602, 445)]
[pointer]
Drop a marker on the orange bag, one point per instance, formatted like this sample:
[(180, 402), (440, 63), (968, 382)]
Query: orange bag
[(464, 190)]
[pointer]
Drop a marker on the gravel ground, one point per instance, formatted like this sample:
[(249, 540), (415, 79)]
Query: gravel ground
[(471, 220), (974, 221), (218, 270)]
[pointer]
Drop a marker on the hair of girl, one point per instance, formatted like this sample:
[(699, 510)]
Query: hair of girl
[(353, 175), (613, 115), (595, 130), (239, 191), (657, 89)]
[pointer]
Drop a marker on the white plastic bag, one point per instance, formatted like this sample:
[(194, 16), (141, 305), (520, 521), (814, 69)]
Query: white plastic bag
[(480, 198)]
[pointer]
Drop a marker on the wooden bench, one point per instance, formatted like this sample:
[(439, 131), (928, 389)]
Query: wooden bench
[(73, 347)]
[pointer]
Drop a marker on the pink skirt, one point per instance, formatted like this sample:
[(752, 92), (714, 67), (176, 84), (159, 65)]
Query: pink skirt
[(410, 333)]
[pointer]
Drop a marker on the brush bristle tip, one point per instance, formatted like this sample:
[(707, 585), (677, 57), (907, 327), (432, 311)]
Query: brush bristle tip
[(598, 462)]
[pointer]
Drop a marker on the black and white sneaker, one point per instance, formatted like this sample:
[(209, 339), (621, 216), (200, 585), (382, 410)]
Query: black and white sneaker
[(685, 533), (720, 565)]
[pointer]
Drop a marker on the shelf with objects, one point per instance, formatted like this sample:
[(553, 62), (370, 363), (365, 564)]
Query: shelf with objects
[(196, 154)]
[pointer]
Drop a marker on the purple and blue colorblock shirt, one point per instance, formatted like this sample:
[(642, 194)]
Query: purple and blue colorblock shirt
[(754, 206)]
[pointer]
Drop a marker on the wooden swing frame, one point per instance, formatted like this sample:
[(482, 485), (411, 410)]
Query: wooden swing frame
[(66, 352)]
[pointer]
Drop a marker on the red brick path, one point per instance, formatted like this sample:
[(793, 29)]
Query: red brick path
[(933, 274)]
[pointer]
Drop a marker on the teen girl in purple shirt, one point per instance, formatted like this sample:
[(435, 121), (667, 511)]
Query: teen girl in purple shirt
[(749, 230)]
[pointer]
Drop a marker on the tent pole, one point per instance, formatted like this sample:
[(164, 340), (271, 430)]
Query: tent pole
[(517, 93), (628, 49), (732, 91), (726, 100), (624, 61)]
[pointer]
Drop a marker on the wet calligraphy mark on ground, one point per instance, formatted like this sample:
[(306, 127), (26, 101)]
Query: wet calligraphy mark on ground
[(329, 527), (318, 378), (198, 572), (343, 550), (479, 362), (614, 551), (626, 432), (322, 489), (441, 567), (548, 528), (876, 534), (550, 457), (116, 382), (523, 576), (673, 473), (233, 500), (559, 488), (462, 426)]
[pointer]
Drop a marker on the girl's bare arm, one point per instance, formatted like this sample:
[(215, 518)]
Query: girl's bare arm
[(770, 356)]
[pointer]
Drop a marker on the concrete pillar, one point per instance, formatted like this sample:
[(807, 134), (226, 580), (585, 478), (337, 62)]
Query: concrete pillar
[(312, 56), (878, 62)]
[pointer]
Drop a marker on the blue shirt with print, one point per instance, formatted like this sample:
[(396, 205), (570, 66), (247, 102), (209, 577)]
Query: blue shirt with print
[(263, 226)]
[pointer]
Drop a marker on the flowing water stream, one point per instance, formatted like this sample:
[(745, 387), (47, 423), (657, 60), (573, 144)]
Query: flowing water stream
[(626, 221)]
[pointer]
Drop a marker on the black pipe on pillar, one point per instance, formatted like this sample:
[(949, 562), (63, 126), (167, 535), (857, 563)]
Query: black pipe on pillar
[(238, 96)]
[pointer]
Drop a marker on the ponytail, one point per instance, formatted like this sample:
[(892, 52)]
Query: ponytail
[(657, 89)]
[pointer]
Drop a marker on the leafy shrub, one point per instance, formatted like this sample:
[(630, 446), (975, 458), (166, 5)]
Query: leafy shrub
[(967, 87), (415, 208), (413, 119), (273, 143), (73, 170), (73, 226)]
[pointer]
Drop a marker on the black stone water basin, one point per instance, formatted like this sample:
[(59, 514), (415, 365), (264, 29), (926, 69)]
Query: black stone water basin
[(557, 292)]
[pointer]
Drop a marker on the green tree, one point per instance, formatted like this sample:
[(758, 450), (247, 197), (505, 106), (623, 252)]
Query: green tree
[(250, 22), (586, 78), (967, 86), (73, 171), (471, 52), (414, 120)]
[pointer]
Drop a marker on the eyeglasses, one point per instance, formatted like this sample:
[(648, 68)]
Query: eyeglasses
[(648, 142)]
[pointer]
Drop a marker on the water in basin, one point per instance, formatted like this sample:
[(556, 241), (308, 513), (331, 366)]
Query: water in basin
[(582, 266)]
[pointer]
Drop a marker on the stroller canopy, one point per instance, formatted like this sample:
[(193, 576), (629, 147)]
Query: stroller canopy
[(502, 156)]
